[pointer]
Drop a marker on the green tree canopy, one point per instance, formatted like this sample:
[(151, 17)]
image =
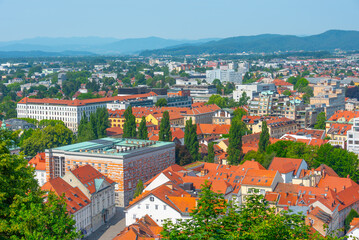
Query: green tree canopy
[(236, 132), (191, 139), (183, 156), (321, 118), (210, 157), (165, 133), (215, 218), (244, 99), (139, 188), (129, 127), (24, 213), (46, 138), (352, 214), (162, 102), (142, 129), (264, 137)]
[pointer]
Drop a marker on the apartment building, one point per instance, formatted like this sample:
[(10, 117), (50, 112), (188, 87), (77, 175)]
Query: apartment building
[(223, 116), (125, 161), (252, 90), (224, 75), (68, 111), (277, 126), (353, 137), (329, 94)]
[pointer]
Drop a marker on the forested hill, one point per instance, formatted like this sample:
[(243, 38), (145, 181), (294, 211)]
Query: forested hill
[(330, 40)]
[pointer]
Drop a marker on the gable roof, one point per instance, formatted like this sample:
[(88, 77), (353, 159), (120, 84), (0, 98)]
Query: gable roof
[(163, 193), (336, 183), (285, 165), (90, 177), (38, 162), (259, 177), (75, 198), (144, 228)]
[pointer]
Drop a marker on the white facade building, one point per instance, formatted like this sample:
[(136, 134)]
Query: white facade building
[(39, 163), (163, 202), (353, 137), (252, 90), (228, 75), (98, 188), (68, 111)]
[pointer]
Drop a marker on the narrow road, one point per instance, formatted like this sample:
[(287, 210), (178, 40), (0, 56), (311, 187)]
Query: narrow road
[(110, 229)]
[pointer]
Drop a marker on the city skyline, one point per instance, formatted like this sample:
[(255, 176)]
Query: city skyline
[(184, 20)]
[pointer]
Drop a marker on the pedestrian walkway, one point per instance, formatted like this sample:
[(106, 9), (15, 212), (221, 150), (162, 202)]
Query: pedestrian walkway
[(109, 230)]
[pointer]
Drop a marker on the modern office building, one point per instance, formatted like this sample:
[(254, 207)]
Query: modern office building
[(125, 161)]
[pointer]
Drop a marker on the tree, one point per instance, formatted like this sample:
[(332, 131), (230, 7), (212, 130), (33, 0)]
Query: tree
[(235, 142), (244, 99), (129, 127), (321, 118), (239, 113), (85, 131), (102, 122), (210, 157), (352, 214), (161, 102), (215, 218), (139, 188), (49, 137), (165, 133), (24, 213), (183, 156), (287, 93), (142, 129), (191, 139), (263, 138)]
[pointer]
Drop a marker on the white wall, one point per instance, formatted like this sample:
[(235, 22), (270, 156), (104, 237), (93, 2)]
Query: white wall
[(146, 206), (40, 176)]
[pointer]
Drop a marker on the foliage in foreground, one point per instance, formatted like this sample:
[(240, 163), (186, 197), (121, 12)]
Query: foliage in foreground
[(24, 212), (216, 218)]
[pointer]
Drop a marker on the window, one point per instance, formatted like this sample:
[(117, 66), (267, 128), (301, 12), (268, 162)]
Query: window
[(139, 206), (164, 207), (156, 207), (147, 206), (134, 216), (152, 199)]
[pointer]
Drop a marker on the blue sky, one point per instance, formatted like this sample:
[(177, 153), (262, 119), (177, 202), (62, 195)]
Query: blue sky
[(177, 19)]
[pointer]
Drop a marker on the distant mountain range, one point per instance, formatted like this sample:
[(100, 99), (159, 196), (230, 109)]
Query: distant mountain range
[(20, 54), (79, 46), (330, 40), (95, 45)]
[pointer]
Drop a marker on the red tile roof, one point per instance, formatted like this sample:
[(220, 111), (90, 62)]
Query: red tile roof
[(259, 177), (285, 165), (75, 198), (77, 102), (143, 229), (87, 175), (38, 162), (346, 116)]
